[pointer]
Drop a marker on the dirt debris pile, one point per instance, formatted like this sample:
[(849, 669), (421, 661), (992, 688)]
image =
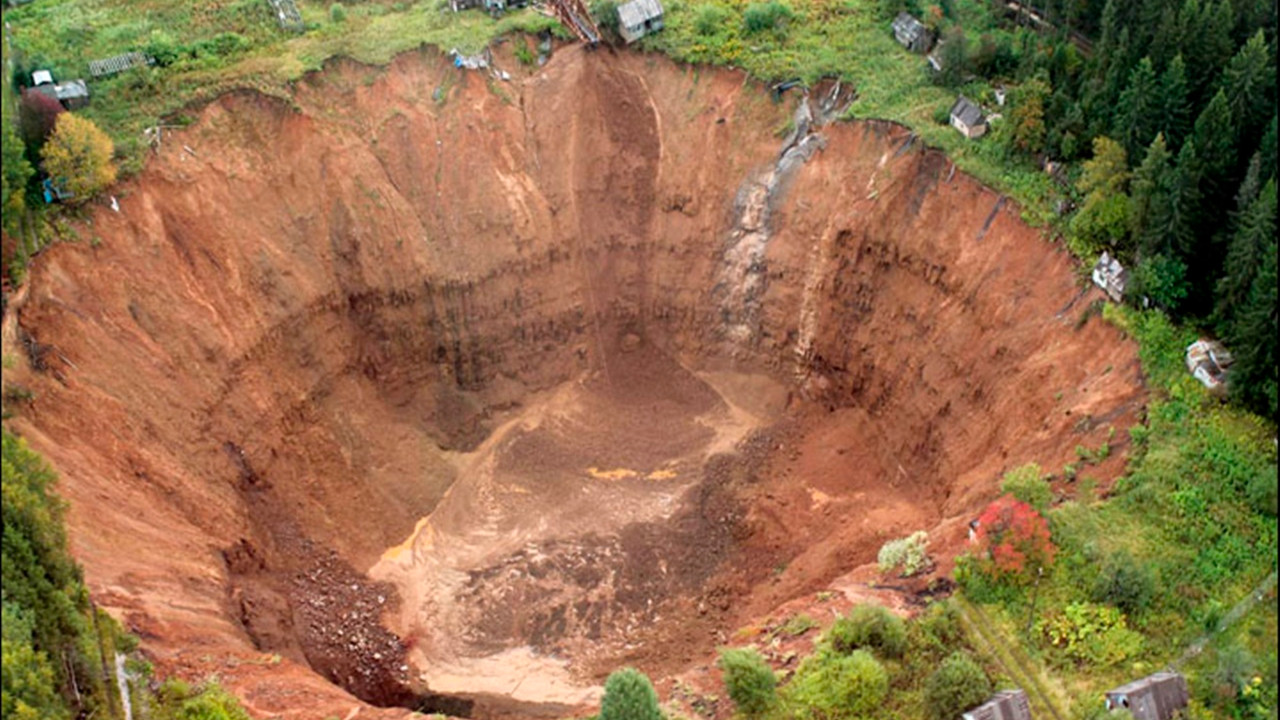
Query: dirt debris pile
[(432, 385)]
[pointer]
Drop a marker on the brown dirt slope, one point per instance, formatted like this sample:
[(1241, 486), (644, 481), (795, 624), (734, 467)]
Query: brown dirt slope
[(572, 365)]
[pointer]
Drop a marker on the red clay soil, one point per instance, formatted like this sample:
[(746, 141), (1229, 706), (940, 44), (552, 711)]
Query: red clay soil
[(432, 383)]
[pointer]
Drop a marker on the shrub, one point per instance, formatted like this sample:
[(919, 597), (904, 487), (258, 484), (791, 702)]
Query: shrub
[(1015, 538), (523, 54), (765, 16), (222, 45), (908, 552), (749, 680), (956, 686), (869, 626), (934, 634), (37, 117), (1090, 635), (709, 19), (337, 13), (1262, 493), (1125, 583), (16, 171), (78, 156), (161, 46), (1027, 484), (628, 695), (839, 686)]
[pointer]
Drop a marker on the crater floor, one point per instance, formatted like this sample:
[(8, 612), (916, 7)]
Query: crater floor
[(454, 391)]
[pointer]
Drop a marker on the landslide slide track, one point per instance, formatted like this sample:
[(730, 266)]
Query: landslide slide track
[(429, 390)]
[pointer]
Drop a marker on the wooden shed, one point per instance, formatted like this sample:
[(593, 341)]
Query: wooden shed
[(1004, 705), (911, 33), (639, 18), (967, 117), (1111, 276), (1155, 697)]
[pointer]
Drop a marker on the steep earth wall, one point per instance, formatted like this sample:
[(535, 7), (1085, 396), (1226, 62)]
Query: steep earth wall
[(572, 367)]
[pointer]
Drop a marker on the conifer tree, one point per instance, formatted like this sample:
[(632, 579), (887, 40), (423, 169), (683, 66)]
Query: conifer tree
[(1267, 149), (1214, 135), (1256, 227), (1247, 297), (1151, 188), (1168, 36), (628, 695), (1250, 84), (1175, 115), (1138, 112)]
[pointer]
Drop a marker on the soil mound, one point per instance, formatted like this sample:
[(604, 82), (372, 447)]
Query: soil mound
[(435, 390)]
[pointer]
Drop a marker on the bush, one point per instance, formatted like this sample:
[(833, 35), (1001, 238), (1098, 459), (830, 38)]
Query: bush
[(1015, 538), (934, 634), (709, 19), (222, 45), (1027, 484), (869, 626), (163, 48), (78, 157), (765, 16), (628, 695), (838, 686), (1262, 493), (337, 13), (749, 680), (956, 686), (1125, 583), (908, 552), (1091, 635), (37, 117)]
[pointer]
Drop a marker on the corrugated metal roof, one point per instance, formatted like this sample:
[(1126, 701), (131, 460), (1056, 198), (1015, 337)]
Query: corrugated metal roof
[(907, 24), (1004, 705), (967, 111), (1155, 697), (637, 11)]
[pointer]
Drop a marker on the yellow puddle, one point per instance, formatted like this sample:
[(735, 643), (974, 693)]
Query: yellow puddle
[(629, 474), (392, 553)]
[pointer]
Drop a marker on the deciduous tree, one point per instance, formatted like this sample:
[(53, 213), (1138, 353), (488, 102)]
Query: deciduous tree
[(1015, 537), (78, 157)]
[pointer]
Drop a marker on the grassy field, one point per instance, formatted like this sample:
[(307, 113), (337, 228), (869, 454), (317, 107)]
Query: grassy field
[(226, 44)]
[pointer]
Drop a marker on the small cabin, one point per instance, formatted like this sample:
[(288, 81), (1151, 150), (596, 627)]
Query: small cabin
[(967, 117), (639, 18), (1207, 361), (1111, 276), (911, 33), (73, 94), (1004, 705), (1155, 697)]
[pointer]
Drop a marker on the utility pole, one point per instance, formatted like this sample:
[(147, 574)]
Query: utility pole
[(1035, 593)]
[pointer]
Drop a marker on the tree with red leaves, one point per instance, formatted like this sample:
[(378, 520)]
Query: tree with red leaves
[(1015, 537), (38, 114)]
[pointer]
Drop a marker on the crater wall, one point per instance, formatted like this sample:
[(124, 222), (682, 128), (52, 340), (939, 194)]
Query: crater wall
[(299, 343)]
